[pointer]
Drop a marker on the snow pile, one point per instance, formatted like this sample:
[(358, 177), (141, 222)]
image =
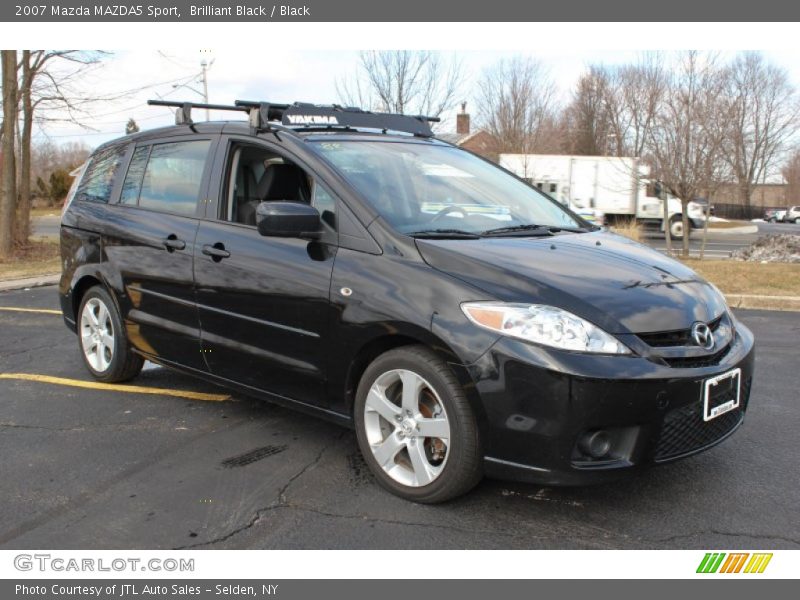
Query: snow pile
[(783, 247)]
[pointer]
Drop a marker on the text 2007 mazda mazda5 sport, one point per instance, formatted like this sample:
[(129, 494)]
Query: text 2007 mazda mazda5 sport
[(350, 265)]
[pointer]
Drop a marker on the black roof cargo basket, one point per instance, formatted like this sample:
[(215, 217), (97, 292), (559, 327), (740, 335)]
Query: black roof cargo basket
[(268, 116)]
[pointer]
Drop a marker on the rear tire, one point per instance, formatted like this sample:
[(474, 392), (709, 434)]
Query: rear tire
[(104, 344), (416, 428)]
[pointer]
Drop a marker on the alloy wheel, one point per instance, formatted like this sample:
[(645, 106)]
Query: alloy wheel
[(97, 334), (407, 427)]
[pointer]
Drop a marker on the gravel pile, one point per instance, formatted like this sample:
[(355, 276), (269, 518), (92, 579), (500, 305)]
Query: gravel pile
[(782, 247)]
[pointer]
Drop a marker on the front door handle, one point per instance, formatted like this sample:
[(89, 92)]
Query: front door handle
[(172, 243), (217, 251)]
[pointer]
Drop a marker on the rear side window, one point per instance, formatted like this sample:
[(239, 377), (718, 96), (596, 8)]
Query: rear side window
[(98, 180), (133, 180), (166, 177)]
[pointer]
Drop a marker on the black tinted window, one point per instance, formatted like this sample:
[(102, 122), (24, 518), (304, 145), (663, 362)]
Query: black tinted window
[(325, 204), (133, 180), (173, 175), (98, 180)]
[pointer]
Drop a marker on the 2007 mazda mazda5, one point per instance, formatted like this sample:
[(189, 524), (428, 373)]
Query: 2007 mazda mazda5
[(350, 265)]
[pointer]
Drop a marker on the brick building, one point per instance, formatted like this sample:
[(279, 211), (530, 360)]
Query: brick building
[(479, 141)]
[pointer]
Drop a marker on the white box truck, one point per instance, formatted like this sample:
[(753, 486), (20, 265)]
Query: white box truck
[(602, 189)]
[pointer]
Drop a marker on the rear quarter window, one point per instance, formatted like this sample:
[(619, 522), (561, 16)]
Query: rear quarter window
[(168, 177), (98, 180)]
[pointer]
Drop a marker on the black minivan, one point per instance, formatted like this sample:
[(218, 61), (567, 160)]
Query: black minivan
[(350, 265)]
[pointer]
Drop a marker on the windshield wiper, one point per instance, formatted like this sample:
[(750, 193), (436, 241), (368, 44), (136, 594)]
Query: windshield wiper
[(531, 229), (445, 233)]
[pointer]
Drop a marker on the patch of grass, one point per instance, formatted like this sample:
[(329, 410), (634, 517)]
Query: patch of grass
[(752, 278), (768, 303), (629, 228), (41, 257)]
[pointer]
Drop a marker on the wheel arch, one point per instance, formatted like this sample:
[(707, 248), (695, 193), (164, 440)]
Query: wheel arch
[(83, 285), (380, 343)]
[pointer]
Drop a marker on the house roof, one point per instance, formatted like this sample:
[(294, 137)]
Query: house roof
[(457, 138)]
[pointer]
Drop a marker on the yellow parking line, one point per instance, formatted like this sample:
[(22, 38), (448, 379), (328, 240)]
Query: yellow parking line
[(113, 387), (47, 311)]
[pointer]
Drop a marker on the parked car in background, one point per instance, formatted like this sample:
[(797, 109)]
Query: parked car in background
[(792, 214), (774, 215)]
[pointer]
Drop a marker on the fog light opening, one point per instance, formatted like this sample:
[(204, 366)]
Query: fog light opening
[(596, 444)]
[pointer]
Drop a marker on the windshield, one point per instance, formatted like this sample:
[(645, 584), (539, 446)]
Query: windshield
[(430, 188)]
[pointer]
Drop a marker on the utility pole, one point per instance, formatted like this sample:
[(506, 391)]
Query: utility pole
[(204, 79), (204, 67)]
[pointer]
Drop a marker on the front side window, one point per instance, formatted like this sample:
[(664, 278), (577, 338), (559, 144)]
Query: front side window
[(422, 187), (257, 174), (169, 178), (98, 180)]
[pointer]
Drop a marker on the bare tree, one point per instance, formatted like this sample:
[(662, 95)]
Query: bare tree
[(587, 119), (686, 141), (403, 81), (48, 92), (517, 101), (635, 97), (763, 110), (8, 201), (614, 107)]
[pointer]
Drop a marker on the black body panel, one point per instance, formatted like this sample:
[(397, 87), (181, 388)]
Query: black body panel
[(297, 320)]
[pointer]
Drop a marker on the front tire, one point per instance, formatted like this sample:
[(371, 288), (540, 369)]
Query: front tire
[(416, 428), (101, 336), (676, 231)]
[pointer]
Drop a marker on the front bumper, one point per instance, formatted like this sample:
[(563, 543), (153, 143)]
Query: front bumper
[(539, 403)]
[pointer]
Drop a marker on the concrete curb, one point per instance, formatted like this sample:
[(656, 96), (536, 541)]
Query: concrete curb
[(29, 282), (746, 229), (760, 302)]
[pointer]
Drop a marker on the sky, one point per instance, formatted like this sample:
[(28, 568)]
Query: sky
[(278, 76)]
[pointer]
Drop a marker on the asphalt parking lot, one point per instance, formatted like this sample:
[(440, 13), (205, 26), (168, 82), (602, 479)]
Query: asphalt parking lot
[(96, 468)]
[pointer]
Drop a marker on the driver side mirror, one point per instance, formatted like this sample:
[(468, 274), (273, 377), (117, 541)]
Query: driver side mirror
[(281, 218)]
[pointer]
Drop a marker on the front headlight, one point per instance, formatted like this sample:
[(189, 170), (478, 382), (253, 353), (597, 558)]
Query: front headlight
[(546, 325)]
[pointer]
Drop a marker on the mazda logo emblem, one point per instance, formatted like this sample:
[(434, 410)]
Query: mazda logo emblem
[(703, 336)]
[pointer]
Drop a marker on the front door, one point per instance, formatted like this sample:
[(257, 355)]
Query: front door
[(263, 301)]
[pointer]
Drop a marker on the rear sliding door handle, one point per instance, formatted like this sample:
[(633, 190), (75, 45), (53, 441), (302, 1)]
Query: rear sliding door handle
[(172, 243), (217, 251)]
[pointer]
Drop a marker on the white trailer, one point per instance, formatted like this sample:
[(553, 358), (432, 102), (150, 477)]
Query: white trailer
[(602, 188)]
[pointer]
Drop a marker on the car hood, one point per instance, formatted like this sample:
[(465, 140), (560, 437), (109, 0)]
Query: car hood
[(618, 284)]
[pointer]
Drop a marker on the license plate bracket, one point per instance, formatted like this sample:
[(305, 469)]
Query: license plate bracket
[(721, 394)]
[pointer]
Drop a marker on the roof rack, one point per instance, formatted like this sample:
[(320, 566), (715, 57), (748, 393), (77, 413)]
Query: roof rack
[(303, 115), (264, 116)]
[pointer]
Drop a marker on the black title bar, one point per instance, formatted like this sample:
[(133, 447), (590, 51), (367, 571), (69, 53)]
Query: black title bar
[(403, 11)]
